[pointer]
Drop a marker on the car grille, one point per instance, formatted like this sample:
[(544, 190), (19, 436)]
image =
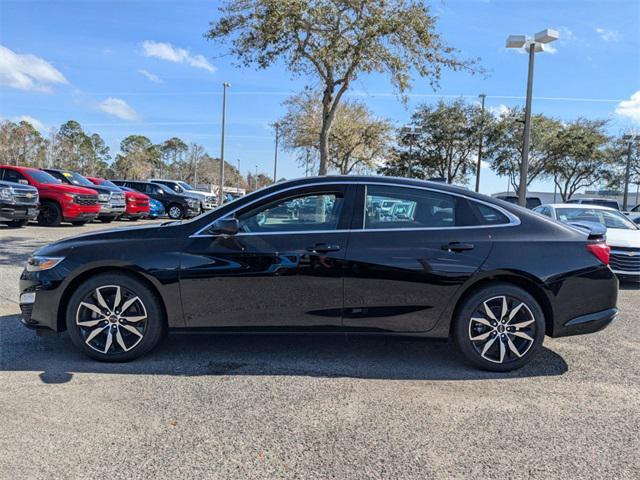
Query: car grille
[(142, 203), (87, 200), (625, 259), (117, 199), (25, 197)]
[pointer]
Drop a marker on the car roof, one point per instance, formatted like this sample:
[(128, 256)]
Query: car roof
[(578, 206)]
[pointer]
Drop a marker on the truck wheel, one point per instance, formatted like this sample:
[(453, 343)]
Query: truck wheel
[(50, 214), (176, 212), (17, 223)]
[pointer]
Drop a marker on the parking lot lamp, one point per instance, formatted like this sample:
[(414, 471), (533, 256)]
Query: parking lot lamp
[(225, 85), (630, 138), (532, 46)]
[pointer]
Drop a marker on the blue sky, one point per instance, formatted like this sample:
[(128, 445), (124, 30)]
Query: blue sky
[(143, 67)]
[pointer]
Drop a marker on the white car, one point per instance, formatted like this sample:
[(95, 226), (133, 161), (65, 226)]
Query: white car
[(623, 235), (634, 214)]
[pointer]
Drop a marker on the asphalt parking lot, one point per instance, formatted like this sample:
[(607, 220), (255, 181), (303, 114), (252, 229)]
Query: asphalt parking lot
[(311, 406)]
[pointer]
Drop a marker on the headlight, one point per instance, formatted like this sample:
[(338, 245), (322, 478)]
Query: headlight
[(70, 196), (103, 197), (6, 192), (38, 263), (131, 199)]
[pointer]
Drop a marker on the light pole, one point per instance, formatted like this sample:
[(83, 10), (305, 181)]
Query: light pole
[(225, 85), (533, 45), (630, 138), (256, 179), (482, 97), (411, 132), (275, 157)]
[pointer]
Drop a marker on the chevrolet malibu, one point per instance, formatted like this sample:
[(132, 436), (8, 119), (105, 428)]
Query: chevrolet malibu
[(444, 262)]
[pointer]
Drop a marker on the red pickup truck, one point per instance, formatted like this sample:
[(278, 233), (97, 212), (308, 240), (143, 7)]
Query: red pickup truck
[(58, 202), (136, 205)]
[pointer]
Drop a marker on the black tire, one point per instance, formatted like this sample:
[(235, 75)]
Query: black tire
[(509, 348), (150, 329), (175, 211), (79, 223), (50, 214), (17, 223), (107, 219)]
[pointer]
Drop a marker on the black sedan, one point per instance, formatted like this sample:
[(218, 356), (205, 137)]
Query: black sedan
[(441, 262)]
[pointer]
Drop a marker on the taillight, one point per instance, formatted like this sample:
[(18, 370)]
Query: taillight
[(601, 251)]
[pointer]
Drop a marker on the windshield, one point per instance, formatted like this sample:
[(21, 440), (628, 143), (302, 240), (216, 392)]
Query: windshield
[(608, 218), (185, 185), (77, 179), (42, 177), (107, 183)]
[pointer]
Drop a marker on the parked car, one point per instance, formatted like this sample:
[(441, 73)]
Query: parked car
[(532, 202), (58, 202), (18, 204), (634, 214), (110, 198), (136, 203), (176, 205), (208, 200), (603, 202), (495, 279), (623, 235)]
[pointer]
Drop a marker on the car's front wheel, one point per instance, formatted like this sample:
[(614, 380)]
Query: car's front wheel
[(114, 317), (499, 327), (176, 212)]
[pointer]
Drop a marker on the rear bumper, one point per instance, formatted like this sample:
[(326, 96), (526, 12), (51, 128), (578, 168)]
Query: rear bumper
[(590, 323)]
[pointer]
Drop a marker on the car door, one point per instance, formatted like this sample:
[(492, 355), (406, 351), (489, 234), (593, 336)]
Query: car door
[(403, 265), (284, 268)]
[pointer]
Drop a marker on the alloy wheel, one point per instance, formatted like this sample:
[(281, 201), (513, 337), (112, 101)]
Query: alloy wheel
[(175, 212), (112, 319), (502, 329)]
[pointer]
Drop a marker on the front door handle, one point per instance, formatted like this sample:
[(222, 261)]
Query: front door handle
[(458, 247), (323, 248)]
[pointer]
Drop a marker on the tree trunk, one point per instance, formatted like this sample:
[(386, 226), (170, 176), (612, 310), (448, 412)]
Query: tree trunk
[(324, 147)]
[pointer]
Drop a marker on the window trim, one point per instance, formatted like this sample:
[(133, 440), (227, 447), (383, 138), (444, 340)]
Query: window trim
[(513, 219)]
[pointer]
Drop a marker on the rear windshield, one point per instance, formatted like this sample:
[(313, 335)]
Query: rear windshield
[(608, 218), (42, 177)]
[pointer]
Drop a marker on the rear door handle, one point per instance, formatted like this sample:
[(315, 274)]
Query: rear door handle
[(458, 247), (323, 248)]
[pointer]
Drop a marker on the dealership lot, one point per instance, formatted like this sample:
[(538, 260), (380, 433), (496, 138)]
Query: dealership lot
[(311, 406)]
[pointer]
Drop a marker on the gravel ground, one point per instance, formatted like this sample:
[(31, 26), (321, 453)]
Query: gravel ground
[(311, 406)]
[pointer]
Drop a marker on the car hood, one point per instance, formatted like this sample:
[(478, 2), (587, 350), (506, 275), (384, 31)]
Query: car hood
[(617, 237), (66, 188)]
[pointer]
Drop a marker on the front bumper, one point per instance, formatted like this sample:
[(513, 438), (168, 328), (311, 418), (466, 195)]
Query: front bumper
[(41, 310), (12, 211), (191, 212)]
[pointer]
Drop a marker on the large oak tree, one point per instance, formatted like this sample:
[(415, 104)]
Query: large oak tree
[(334, 42)]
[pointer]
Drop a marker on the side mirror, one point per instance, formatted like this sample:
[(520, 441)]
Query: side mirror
[(225, 226)]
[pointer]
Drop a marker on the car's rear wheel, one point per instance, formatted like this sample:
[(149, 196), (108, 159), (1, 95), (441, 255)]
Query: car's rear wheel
[(499, 328), (114, 317), (176, 212), (50, 214)]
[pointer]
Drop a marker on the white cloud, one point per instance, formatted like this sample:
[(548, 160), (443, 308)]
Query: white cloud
[(630, 108), (27, 72), (608, 35), (37, 124), (154, 78), (118, 108), (166, 51), (549, 48), (499, 110)]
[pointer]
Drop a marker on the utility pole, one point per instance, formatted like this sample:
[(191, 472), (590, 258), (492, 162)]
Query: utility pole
[(275, 157), (630, 138), (482, 97), (255, 181), (225, 85), (239, 175)]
